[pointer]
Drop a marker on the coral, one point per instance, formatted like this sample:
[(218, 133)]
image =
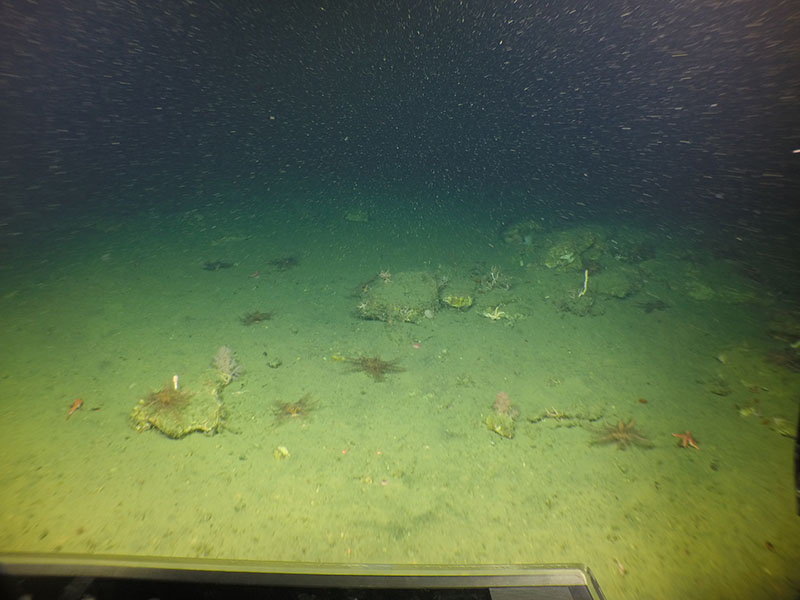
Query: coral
[(623, 434), (374, 366), (228, 368), (496, 279)]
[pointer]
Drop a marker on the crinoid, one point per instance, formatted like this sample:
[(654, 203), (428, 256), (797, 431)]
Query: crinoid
[(254, 317), (166, 410), (300, 409), (168, 401), (623, 434), (374, 366)]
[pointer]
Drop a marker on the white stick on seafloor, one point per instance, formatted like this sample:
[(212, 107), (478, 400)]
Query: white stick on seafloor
[(175, 382), (582, 292)]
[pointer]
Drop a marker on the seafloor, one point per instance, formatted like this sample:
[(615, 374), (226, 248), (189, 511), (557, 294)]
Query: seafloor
[(402, 470)]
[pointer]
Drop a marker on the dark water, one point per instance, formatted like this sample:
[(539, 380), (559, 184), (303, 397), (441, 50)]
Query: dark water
[(630, 170), (615, 108)]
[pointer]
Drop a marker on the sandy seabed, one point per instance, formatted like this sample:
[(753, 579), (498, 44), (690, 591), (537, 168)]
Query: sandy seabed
[(403, 470)]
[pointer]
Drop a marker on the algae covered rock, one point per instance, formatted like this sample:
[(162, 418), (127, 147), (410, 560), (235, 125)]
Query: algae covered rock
[(356, 215), (458, 302), (501, 423)]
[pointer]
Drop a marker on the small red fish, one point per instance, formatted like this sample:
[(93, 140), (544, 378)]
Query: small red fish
[(75, 406)]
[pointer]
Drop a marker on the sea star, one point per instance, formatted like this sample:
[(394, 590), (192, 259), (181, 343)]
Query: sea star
[(686, 440)]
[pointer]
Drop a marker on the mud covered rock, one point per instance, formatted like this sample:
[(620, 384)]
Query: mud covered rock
[(401, 297), (573, 249), (525, 233), (177, 413)]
